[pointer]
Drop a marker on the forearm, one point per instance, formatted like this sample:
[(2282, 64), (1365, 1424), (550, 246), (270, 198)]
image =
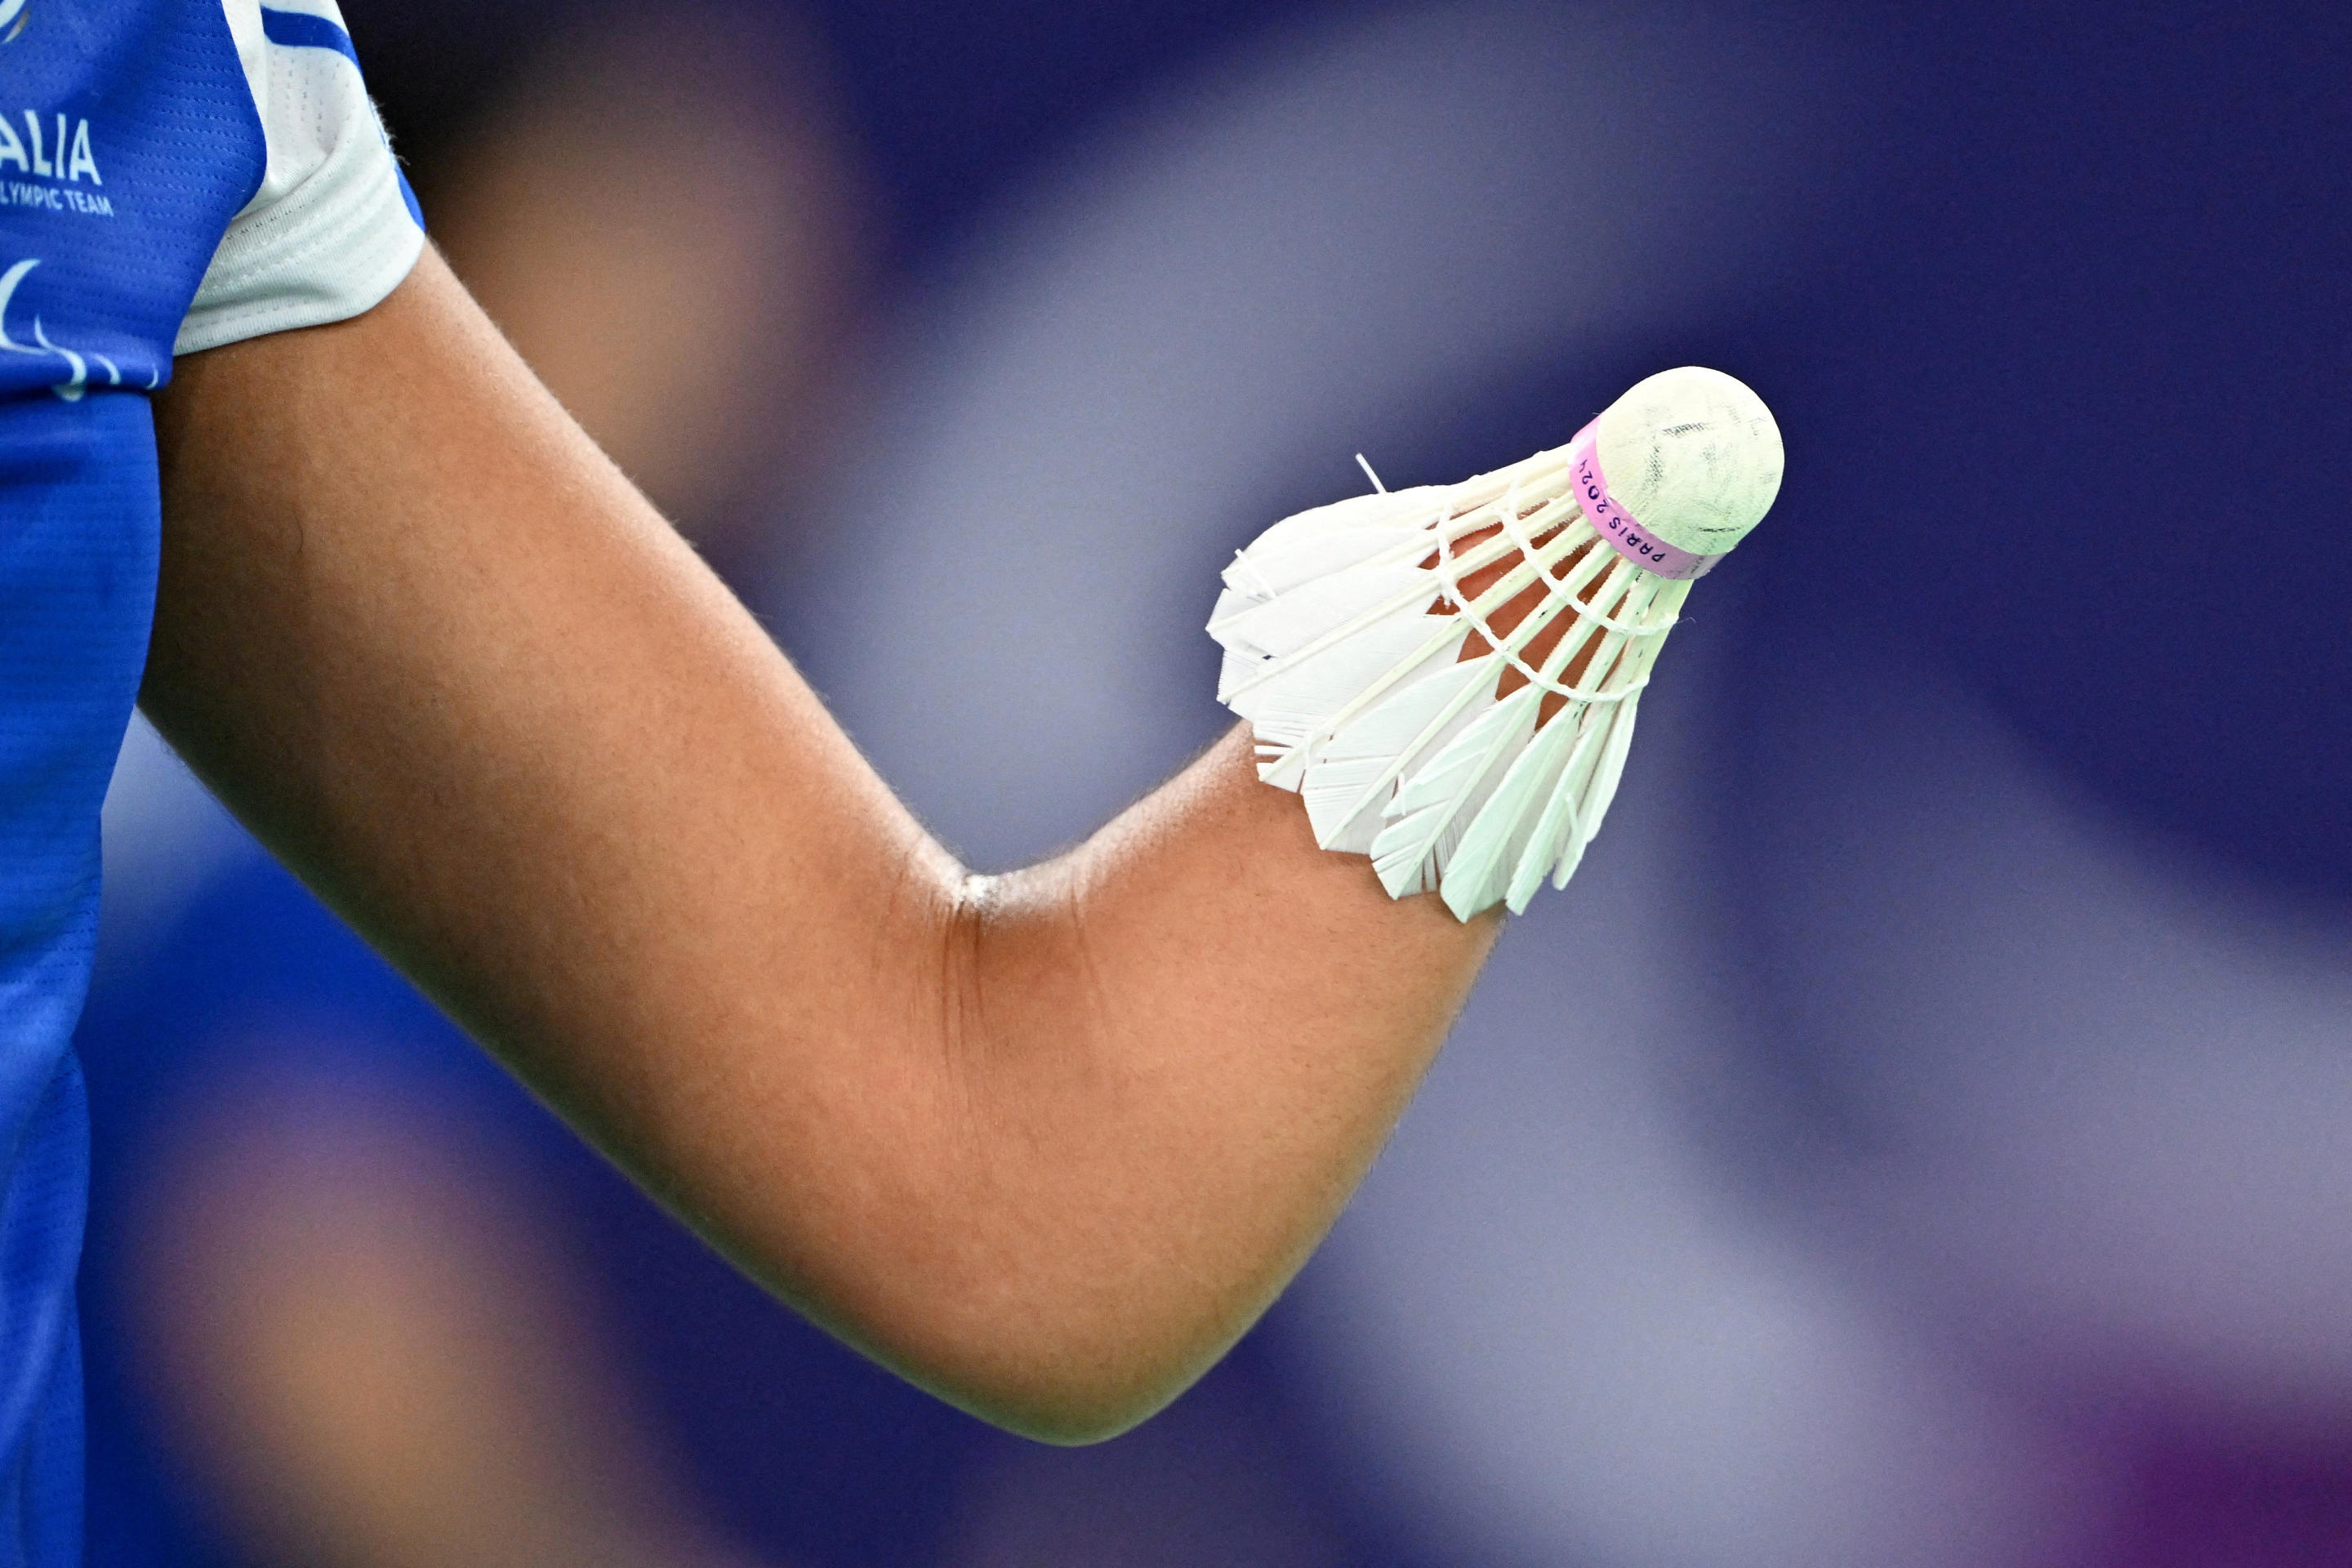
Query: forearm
[(1054, 1138)]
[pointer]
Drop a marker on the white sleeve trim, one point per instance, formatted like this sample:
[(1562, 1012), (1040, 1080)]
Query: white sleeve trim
[(330, 232)]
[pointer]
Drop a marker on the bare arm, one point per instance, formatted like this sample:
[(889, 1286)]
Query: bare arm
[(1046, 1142)]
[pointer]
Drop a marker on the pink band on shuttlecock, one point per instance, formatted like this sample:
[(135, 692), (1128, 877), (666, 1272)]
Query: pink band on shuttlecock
[(1619, 527)]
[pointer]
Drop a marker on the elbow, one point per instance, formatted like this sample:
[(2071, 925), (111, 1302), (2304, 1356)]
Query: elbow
[(1042, 1275), (1063, 1416), (1072, 1407), (1068, 1374), (1069, 1391)]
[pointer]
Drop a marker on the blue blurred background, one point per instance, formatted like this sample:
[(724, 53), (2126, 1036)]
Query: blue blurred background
[(1921, 1135)]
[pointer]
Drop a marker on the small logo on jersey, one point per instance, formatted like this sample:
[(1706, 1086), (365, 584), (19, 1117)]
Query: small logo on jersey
[(78, 365), (12, 18), (55, 147)]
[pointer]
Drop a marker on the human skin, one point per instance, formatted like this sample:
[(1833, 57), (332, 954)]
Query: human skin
[(1046, 1144)]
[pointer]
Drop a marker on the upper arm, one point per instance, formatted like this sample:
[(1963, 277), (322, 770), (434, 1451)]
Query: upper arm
[(419, 632)]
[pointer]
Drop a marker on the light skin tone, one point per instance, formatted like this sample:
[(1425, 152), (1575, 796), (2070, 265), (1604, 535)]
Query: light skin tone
[(1046, 1144)]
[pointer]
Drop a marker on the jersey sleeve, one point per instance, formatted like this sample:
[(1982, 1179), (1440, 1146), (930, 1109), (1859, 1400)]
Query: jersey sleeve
[(333, 226)]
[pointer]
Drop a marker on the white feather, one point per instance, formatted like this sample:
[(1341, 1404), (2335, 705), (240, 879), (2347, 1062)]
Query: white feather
[(1347, 645), (1352, 775), (1435, 803), (1610, 766), (1484, 864), (1322, 684), (1294, 622), (1559, 823)]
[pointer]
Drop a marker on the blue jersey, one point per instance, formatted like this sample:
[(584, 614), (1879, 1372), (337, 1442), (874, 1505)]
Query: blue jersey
[(175, 174)]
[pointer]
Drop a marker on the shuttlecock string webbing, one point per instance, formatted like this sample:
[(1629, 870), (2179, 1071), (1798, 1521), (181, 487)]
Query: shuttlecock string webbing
[(1534, 564), (1449, 630), (1602, 663), (1463, 510), (1615, 653), (1598, 589), (1495, 500), (1486, 553), (1569, 593), (1513, 524)]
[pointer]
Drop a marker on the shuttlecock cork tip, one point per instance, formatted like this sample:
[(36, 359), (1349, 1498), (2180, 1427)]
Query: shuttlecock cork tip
[(1693, 455)]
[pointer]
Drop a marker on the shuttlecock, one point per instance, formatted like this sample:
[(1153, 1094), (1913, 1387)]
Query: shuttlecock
[(1448, 676)]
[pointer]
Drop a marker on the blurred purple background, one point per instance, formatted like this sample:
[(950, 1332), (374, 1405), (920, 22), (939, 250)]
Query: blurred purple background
[(1919, 1136)]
